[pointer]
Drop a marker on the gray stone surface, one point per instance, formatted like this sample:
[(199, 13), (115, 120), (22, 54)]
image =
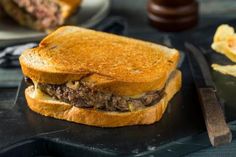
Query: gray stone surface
[(135, 13)]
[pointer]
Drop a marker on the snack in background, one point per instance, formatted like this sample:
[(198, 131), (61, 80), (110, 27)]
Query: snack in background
[(224, 42), (41, 15)]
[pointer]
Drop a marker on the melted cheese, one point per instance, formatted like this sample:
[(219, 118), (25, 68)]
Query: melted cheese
[(137, 96), (39, 94), (73, 85)]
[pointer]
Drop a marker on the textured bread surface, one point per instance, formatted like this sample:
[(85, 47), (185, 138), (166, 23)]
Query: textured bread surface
[(64, 111), (120, 65)]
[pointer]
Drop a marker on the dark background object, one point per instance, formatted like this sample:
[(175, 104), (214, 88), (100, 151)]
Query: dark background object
[(173, 15)]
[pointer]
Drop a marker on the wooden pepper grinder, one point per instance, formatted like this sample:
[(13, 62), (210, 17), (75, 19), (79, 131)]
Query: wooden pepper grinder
[(173, 15)]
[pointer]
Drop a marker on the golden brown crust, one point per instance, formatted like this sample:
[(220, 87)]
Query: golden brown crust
[(120, 65), (93, 117)]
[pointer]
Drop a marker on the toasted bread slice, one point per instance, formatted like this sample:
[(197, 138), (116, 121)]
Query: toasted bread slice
[(61, 110), (120, 65)]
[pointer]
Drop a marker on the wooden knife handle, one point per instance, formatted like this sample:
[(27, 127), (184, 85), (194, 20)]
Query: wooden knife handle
[(217, 128)]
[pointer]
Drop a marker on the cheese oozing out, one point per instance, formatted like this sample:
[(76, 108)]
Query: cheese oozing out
[(38, 93)]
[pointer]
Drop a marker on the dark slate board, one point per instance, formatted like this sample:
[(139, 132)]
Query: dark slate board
[(180, 131)]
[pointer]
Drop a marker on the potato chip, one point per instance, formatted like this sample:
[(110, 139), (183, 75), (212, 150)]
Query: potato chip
[(225, 41), (225, 69)]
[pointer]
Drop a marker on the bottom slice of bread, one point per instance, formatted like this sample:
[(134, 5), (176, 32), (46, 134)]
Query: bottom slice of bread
[(61, 110)]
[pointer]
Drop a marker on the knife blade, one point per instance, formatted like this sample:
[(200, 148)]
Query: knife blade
[(217, 128)]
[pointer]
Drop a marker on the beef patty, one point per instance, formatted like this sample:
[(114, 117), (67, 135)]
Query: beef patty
[(79, 94)]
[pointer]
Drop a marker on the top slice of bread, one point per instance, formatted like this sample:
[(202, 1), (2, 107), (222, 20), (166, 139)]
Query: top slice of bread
[(117, 64)]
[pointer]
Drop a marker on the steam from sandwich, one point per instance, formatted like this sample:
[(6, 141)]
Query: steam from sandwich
[(100, 79)]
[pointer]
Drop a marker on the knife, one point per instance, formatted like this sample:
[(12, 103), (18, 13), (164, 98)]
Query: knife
[(217, 128)]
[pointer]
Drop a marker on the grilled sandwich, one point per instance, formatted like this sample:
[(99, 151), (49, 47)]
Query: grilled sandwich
[(100, 79)]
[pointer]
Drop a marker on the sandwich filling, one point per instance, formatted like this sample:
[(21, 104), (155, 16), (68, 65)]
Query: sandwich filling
[(79, 94), (44, 12)]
